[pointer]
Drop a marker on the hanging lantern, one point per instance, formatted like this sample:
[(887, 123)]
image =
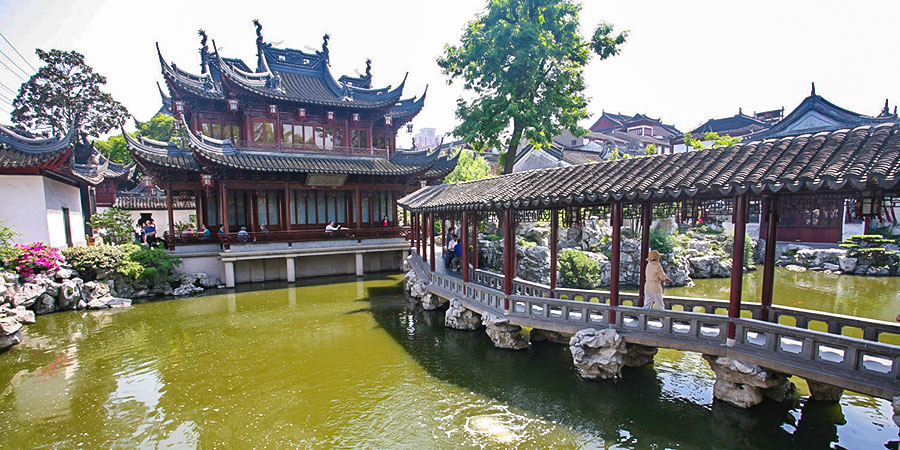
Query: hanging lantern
[(179, 106), (302, 113), (233, 104), (273, 110), (388, 120), (409, 127), (330, 115), (355, 117), (147, 182), (206, 180)]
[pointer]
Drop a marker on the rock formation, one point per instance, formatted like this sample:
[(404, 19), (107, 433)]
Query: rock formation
[(460, 318), (824, 392), (745, 385), (538, 335), (598, 354), (502, 333)]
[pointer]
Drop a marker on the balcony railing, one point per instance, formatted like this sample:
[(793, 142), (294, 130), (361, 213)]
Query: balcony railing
[(334, 150), (286, 236)]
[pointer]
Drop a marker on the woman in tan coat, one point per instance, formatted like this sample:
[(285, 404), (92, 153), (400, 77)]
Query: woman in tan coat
[(653, 287)]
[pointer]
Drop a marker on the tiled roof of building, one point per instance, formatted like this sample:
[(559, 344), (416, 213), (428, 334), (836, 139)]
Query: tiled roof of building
[(864, 157), (738, 125), (147, 201), (92, 167), (17, 150)]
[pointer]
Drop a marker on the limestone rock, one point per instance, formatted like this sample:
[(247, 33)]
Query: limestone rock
[(9, 325), (44, 305), (207, 281), (831, 267), (29, 293), (795, 268), (7, 341), (69, 294), (186, 289), (598, 354), (745, 385), (405, 264), (637, 355), (109, 302), (847, 264), (895, 403), (431, 302), (96, 289), (65, 273), (538, 335), (502, 333), (460, 318), (824, 392)]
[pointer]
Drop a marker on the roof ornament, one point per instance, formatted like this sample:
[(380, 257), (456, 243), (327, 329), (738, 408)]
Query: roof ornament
[(740, 111), (261, 64), (259, 38), (346, 93), (324, 51), (204, 52), (813, 93), (274, 82), (368, 68)]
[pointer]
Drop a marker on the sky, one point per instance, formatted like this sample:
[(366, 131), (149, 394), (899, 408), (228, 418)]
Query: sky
[(685, 62)]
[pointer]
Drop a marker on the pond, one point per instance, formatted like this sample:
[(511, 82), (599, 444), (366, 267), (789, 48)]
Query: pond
[(344, 363)]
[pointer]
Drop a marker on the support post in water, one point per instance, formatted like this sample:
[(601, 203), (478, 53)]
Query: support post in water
[(614, 259), (737, 263), (768, 282), (554, 244), (646, 220)]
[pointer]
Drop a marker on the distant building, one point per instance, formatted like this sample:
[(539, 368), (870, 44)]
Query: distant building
[(427, 139)]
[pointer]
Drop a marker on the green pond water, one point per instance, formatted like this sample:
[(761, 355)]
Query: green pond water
[(341, 363)]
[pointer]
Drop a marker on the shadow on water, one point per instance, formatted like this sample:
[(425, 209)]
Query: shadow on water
[(634, 412)]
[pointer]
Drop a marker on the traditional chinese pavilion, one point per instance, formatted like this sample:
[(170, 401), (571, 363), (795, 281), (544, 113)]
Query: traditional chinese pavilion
[(286, 145)]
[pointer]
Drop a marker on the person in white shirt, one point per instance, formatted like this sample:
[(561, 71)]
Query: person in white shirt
[(331, 227), (448, 251)]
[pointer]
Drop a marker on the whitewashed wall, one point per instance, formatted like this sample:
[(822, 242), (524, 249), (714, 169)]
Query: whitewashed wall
[(32, 205), (56, 197)]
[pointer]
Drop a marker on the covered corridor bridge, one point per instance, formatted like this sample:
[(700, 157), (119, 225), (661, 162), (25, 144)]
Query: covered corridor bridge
[(861, 165)]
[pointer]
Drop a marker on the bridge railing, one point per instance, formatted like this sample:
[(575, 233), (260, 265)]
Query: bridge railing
[(872, 367)]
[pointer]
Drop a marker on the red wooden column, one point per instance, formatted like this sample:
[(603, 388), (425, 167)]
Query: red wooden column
[(443, 237), (423, 235), (431, 241), (646, 220), (554, 244), (223, 206), (169, 210), (769, 259), (287, 208), (737, 263), (475, 242), (615, 258), (464, 234), (357, 203), (412, 232), (509, 256)]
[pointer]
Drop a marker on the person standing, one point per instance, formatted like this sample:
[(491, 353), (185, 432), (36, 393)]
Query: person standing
[(653, 287)]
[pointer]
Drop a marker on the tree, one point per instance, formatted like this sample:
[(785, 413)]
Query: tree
[(717, 141), (116, 225), (66, 89), (523, 60), (650, 150), (161, 128), (469, 167)]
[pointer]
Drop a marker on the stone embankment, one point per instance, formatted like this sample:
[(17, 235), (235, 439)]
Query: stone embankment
[(23, 299), (859, 256)]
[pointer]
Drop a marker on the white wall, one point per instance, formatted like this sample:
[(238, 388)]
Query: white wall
[(56, 197), (23, 207), (161, 216)]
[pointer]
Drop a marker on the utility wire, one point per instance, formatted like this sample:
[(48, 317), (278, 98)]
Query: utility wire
[(14, 64), (6, 98), (12, 71), (8, 89), (17, 52)]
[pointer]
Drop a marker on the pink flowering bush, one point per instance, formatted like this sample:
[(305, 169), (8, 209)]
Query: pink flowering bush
[(37, 258)]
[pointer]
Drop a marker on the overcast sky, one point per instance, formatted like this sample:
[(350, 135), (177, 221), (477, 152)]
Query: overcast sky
[(685, 62)]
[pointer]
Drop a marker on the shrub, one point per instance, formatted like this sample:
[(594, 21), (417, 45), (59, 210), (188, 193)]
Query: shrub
[(578, 270), (661, 241), (36, 258), (156, 264), (748, 247), (491, 237), (116, 225), (8, 249), (129, 260)]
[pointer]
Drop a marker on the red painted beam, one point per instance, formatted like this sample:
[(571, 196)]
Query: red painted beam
[(737, 262)]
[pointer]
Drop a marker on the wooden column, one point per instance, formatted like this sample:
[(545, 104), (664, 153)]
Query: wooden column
[(423, 235), (357, 203), (287, 208), (475, 242), (443, 237), (171, 240), (223, 206), (646, 220), (615, 258), (769, 259), (431, 240), (198, 208), (737, 263), (554, 248), (464, 234), (509, 256)]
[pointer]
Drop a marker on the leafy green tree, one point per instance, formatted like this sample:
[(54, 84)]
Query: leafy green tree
[(64, 89), (161, 128), (717, 141), (469, 167), (578, 270), (650, 150), (116, 225), (8, 249), (524, 60)]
